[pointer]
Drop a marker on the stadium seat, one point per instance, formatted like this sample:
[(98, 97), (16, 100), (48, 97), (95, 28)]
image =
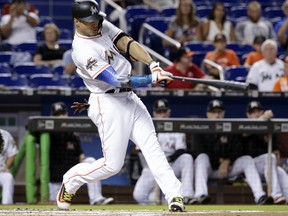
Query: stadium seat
[(272, 12), (152, 40), (59, 70), (27, 47), (135, 16), (10, 81), (45, 20), (65, 34), (239, 48), (65, 43), (76, 82), (236, 73), (47, 81), (5, 68), (238, 12), (203, 11), (198, 58), (199, 46), (168, 12), (5, 57), (30, 68)]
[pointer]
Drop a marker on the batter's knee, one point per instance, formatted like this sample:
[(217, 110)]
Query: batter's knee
[(114, 168)]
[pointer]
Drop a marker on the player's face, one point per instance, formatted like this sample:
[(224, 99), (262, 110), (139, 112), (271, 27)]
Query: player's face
[(215, 114), (254, 114), (88, 28), (162, 114)]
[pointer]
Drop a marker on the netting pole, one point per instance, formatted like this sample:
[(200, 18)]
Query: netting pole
[(44, 167), (19, 157), (30, 175)]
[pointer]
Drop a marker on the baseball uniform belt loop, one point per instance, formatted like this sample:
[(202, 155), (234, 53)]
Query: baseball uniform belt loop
[(118, 90)]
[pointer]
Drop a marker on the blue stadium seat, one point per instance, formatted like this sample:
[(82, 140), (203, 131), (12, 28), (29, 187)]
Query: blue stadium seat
[(203, 11), (45, 20), (239, 48), (65, 34), (65, 43), (30, 68), (10, 81), (236, 73), (199, 46), (238, 12), (168, 12), (47, 81), (5, 68), (152, 40), (272, 12), (77, 83), (5, 57), (27, 47), (59, 69), (198, 58), (135, 16)]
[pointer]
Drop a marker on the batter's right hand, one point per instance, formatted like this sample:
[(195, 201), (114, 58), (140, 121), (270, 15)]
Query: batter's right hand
[(159, 76)]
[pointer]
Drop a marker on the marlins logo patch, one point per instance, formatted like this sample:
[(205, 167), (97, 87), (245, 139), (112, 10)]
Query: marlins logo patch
[(91, 63)]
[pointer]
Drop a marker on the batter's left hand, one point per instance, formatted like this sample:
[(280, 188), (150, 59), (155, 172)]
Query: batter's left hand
[(159, 76)]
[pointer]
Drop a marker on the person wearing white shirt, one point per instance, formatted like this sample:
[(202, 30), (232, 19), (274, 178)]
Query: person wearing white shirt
[(19, 25), (264, 73)]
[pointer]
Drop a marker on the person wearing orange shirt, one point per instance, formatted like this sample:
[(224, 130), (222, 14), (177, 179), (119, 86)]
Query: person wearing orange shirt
[(256, 55), (281, 84), (220, 55)]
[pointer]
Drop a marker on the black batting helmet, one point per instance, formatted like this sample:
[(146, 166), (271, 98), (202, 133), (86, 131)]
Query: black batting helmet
[(87, 11), (58, 108)]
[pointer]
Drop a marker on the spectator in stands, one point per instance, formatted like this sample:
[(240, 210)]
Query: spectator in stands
[(263, 74), (217, 23), (175, 149), (65, 152), (183, 66), (218, 157), (247, 30), (281, 27), (7, 155), (256, 55), (68, 64), (19, 25), (184, 27), (255, 145), (28, 6), (220, 55), (281, 84), (50, 52), (160, 4)]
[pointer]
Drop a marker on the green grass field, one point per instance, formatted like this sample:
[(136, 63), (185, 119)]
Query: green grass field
[(138, 207)]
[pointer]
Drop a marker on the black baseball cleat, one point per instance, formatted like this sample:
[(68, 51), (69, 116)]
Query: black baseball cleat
[(64, 199), (204, 199), (265, 200), (176, 205)]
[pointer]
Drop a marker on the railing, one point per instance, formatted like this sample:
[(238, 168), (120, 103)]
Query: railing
[(150, 51), (217, 66), (121, 11)]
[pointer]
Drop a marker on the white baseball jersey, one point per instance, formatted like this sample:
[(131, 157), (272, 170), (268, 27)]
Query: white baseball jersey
[(92, 55), (6, 178), (10, 148), (170, 142), (264, 75)]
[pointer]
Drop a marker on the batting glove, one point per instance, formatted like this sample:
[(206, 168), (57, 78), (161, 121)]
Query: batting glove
[(159, 76)]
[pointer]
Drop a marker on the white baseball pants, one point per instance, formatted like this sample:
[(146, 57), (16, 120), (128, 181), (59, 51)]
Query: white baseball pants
[(183, 169), (94, 188), (120, 117), (244, 164), (7, 184), (261, 163)]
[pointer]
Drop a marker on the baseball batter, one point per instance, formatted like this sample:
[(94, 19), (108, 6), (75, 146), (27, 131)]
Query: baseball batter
[(175, 149), (6, 161), (116, 111)]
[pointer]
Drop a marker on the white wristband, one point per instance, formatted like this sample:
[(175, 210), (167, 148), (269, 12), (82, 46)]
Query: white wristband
[(153, 65)]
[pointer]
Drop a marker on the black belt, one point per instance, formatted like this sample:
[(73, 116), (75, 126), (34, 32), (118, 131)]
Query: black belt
[(118, 90)]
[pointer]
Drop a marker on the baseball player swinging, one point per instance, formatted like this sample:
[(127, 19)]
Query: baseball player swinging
[(116, 111)]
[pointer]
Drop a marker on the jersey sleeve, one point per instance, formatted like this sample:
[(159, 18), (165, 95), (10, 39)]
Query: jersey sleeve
[(112, 30), (11, 145), (252, 76)]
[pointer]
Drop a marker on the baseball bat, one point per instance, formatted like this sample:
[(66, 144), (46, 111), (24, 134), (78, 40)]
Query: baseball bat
[(226, 84)]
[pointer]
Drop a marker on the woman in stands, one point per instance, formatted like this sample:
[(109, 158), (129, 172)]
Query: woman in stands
[(50, 53), (217, 23), (185, 27)]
